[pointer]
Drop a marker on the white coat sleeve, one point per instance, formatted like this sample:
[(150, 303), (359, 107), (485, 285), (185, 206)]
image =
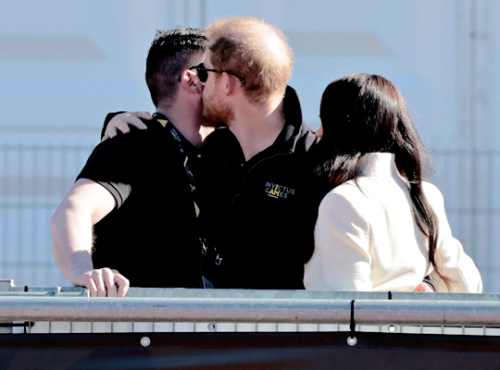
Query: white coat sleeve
[(341, 258), (451, 258)]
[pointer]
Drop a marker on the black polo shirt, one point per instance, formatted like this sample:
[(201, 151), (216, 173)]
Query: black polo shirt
[(259, 215), (151, 236)]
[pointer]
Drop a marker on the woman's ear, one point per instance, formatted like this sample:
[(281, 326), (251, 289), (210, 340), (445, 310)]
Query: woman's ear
[(190, 82)]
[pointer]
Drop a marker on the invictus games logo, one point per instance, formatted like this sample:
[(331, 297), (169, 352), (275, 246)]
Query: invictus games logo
[(278, 191)]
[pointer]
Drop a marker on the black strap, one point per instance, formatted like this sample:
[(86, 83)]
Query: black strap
[(352, 327), (165, 122), (184, 157)]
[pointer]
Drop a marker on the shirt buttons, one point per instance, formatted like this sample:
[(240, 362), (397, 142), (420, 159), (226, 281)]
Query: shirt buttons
[(199, 155), (242, 164)]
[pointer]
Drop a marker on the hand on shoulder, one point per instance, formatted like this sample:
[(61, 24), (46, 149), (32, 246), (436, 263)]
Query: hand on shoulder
[(123, 121)]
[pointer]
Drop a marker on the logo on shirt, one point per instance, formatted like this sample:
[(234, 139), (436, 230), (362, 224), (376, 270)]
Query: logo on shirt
[(278, 191)]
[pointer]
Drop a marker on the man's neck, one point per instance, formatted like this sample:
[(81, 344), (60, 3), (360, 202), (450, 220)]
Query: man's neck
[(187, 123), (257, 127)]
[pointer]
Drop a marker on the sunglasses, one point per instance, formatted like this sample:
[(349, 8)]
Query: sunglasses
[(203, 73)]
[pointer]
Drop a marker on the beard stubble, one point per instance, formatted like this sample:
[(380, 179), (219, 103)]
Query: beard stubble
[(215, 111)]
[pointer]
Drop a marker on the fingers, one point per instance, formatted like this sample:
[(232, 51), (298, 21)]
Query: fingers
[(99, 283), (109, 133), (88, 283), (125, 119), (420, 288), (122, 122), (109, 282), (122, 282), (105, 283), (121, 125), (144, 115), (423, 288)]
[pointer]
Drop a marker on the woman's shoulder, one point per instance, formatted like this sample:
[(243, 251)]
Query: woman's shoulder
[(432, 193), (349, 194), (345, 202), (434, 198)]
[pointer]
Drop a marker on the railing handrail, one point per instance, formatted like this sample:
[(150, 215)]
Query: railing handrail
[(259, 310)]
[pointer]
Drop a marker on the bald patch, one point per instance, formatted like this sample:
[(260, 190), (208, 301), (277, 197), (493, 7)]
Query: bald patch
[(276, 46)]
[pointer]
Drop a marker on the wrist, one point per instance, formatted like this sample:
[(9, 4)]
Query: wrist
[(77, 276)]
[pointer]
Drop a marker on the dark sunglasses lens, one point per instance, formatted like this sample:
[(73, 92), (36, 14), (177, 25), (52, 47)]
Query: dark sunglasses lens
[(202, 74)]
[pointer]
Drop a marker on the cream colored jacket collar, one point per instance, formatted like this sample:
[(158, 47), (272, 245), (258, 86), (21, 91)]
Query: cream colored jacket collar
[(378, 165)]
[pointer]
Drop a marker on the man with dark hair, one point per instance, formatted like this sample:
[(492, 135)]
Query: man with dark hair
[(259, 194), (163, 69), (130, 219)]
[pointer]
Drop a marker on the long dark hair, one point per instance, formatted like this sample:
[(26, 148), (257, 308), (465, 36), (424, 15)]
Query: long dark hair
[(364, 113)]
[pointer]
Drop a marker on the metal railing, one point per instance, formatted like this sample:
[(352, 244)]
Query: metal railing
[(259, 310), (71, 310)]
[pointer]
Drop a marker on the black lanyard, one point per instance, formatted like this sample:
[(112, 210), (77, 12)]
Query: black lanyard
[(192, 184), (173, 131)]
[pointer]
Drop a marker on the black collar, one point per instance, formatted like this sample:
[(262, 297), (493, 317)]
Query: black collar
[(286, 140), (158, 122), (229, 149)]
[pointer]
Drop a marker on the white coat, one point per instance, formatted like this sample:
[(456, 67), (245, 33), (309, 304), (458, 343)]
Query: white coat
[(366, 237)]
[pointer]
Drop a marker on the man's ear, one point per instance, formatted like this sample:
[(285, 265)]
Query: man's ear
[(229, 82), (190, 82)]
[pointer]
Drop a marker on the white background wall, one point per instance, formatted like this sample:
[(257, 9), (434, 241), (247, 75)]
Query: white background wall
[(65, 64)]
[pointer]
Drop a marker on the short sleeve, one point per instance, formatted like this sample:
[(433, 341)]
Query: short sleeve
[(115, 164)]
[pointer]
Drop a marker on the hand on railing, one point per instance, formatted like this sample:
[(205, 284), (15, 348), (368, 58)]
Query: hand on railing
[(424, 288), (103, 282)]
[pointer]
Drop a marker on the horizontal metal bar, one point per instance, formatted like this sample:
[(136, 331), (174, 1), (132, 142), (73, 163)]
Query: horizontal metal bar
[(319, 311), (8, 289), (448, 313), (174, 309)]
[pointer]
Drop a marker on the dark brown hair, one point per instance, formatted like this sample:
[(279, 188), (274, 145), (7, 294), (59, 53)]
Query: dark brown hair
[(170, 54), (364, 113)]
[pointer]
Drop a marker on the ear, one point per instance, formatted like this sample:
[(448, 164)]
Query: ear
[(229, 82), (190, 82)]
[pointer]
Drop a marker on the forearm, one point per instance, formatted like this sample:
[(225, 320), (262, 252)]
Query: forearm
[(458, 267), (72, 240)]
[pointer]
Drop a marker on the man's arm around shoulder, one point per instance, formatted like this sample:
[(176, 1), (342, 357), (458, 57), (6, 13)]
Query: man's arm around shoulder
[(86, 203)]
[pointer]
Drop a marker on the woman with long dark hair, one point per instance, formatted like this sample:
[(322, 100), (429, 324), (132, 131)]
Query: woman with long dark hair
[(381, 227)]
